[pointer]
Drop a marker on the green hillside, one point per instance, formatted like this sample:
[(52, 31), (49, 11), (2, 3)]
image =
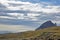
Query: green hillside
[(46, 33)]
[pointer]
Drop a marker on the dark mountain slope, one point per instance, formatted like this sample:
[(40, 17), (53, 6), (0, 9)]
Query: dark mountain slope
[(47, 24)]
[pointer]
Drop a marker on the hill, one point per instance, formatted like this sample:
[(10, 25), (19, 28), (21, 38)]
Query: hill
[(44, 34), (46, 25)]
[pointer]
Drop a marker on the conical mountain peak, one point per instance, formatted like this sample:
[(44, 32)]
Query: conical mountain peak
[(46, 25)]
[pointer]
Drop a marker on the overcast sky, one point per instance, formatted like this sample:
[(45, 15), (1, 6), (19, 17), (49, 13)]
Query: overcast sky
[(22, 15)]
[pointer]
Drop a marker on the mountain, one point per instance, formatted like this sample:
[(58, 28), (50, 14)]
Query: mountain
[(47, 24), (4, 32)]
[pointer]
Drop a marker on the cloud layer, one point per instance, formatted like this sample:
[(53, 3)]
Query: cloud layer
[(29, 13), (14, 28), (21, 9)]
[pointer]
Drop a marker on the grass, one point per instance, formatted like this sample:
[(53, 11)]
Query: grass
[(33, 34)]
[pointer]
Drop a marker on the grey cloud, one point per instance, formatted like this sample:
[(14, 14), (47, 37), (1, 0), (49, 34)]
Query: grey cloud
[(18, 22), (17, 11), (45, 17), (14, 5), (2, 7)]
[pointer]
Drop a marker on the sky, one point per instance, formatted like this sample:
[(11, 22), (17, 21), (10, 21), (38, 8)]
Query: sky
[(25, 15)]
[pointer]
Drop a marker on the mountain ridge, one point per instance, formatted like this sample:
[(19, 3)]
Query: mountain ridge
[(46, 25)]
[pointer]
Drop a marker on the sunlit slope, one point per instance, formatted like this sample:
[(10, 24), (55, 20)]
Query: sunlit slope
[(33, 34)]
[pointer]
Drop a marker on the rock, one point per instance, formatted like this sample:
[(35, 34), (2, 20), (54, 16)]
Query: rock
[(46, 25)]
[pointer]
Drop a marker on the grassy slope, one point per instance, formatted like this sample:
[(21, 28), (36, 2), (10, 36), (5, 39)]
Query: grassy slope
[(31, 34)]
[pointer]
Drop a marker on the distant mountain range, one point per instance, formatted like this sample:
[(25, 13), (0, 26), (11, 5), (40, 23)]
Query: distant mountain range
[(4, 32), (46, 25)]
